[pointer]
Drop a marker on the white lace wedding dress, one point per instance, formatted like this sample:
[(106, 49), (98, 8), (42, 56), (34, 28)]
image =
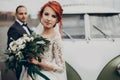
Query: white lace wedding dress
[(54, 57)]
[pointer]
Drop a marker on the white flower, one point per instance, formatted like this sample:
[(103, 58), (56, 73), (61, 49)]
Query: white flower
[(22, 46), (13, 46), (26, 39), (19, 53), (19, 41), (24, 35), (12, 43), (40, 42), (31, 38)]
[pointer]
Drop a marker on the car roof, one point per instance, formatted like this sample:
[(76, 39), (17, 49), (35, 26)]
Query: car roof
[(82, 9)]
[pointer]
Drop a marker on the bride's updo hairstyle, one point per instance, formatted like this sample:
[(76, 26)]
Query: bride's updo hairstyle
[(57, 8)]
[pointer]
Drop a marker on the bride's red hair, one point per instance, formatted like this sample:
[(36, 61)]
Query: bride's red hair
[(58, 10)]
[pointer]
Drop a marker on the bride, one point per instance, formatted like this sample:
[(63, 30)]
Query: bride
[(52, 64)]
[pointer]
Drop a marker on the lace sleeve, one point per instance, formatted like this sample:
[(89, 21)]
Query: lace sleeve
[(57, 51)]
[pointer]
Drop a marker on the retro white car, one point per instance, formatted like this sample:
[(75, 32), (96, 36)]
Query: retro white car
[(92, 42)]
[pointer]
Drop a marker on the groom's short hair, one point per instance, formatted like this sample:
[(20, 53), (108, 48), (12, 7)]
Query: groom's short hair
[(19, 7)]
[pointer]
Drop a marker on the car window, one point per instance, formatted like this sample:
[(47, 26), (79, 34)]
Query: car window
[(73, 26), (105, 25)]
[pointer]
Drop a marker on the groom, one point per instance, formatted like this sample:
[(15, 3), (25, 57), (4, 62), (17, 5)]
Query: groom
[(18, 29)]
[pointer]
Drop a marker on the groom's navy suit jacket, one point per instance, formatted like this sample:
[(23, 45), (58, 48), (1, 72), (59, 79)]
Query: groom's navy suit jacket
[(14, 32)]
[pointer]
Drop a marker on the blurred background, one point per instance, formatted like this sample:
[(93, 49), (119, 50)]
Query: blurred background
[(7, 8)]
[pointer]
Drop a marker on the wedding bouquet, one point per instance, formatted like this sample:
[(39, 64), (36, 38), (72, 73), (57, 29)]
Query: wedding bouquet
[(25, 48)]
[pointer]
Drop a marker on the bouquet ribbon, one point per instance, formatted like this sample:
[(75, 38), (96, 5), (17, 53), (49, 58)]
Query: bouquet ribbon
[(32, 69)]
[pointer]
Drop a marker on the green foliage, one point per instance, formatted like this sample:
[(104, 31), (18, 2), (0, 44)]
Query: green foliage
[(24, 48)]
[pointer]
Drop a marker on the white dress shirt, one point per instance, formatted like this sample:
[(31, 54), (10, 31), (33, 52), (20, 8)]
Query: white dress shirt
[(24, 27)]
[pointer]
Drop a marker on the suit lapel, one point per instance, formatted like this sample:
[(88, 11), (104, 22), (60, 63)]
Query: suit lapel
[(29, 29), (21, 29)]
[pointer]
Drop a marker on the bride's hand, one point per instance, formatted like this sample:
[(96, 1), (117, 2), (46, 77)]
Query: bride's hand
[(46, 66), (33, 61), (43, 64), (36, 62)]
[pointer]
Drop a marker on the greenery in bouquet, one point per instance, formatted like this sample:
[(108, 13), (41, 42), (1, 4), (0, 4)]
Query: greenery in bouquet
[(24, 48)]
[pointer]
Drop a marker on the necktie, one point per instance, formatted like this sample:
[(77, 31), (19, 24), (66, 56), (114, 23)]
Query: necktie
[(24, 24)]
